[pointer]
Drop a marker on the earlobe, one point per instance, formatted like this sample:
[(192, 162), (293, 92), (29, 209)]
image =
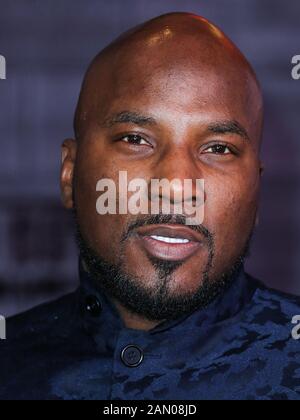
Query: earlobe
[(68, 157)]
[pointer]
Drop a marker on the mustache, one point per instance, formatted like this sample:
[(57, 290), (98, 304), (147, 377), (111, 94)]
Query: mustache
[(159, 219)]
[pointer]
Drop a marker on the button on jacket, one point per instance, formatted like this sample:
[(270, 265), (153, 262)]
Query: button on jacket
[(240, 347)]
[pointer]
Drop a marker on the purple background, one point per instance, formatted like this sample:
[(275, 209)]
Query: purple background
[(48, 45)]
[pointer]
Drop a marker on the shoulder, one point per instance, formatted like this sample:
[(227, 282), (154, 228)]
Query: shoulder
[(276, 339), (259, 346), (31, 337), (37, 341), (273, 306), (41, 319)]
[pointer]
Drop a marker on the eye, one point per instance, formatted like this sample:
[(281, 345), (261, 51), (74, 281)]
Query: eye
[(135, 139), (218, 149)]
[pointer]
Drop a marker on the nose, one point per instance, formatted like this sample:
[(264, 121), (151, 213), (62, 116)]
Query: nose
[(180, 178)]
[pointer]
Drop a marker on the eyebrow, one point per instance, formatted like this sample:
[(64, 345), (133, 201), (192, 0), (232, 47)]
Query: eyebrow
[(128, 117), (229, 127), (218, 127)]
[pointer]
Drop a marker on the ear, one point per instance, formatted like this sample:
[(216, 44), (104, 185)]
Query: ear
[(261, 171), (68, 156), (261, 168)]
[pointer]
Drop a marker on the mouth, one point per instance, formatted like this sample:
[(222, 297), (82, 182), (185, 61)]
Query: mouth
[(169, 242)]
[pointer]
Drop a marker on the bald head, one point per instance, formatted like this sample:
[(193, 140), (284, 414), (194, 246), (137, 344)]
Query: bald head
[(186, 50)]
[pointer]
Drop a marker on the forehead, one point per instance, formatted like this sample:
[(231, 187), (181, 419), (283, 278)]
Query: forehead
[(176, 84)]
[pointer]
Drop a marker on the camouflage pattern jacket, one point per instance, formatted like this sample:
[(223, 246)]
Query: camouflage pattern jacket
[(239, 348)]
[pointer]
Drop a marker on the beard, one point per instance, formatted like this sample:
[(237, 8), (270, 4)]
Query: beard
[(157, 303)]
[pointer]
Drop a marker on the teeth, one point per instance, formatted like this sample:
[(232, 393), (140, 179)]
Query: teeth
[(170, 240)]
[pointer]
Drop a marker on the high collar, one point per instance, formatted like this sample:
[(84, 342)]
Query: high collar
[(99, 312)]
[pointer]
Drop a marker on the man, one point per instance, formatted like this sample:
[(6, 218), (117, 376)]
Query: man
[(164, 309)]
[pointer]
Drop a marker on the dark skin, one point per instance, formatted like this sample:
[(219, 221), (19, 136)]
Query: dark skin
[(206, 120)]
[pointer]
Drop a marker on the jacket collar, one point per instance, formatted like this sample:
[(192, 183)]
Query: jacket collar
[(99, 312)]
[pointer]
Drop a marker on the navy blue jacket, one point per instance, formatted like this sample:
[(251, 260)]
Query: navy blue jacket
[(77, 347)]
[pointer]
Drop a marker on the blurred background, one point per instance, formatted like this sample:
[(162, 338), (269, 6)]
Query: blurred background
[(48, 45)]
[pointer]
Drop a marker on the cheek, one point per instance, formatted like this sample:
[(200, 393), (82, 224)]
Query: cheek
[(103, 232), (229, 214), (231, 206), (100, 231)]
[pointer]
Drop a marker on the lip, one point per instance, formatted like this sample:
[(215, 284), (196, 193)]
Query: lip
[(172, 231), (169, 251)]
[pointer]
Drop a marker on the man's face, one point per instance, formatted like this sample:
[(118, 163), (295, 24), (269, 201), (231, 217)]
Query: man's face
[(199, 124)]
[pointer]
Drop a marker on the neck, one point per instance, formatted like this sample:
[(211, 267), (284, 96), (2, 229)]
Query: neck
[(132, 320)]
